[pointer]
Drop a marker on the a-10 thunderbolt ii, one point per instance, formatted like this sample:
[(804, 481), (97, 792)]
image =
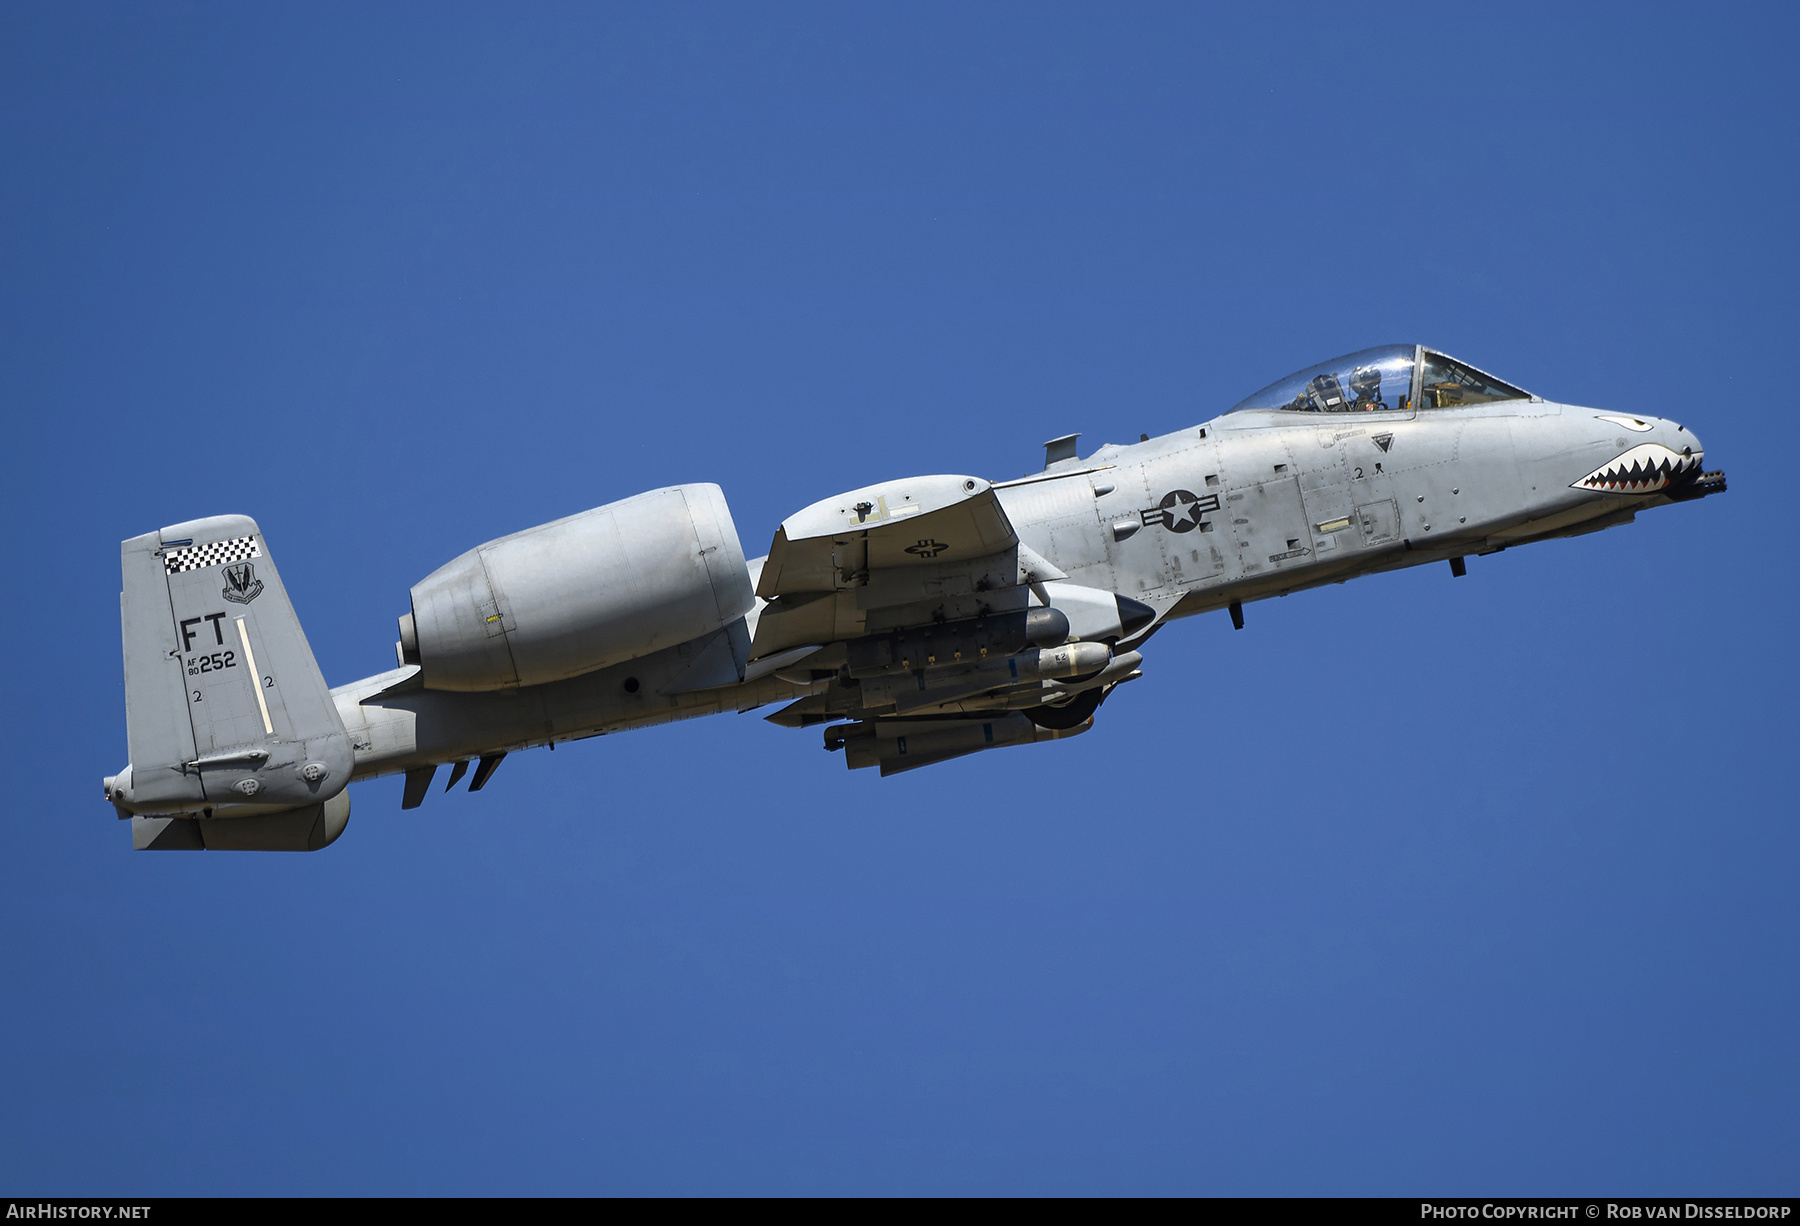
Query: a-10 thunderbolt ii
[(918, 620)]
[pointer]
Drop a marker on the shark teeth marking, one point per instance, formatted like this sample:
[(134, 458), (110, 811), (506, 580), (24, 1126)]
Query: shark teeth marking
[(1645, 469)]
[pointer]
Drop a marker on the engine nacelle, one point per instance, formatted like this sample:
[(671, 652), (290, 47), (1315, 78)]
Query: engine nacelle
[(565, 598)]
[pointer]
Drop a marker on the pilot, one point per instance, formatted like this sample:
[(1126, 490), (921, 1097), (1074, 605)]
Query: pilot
[(1365, 381)]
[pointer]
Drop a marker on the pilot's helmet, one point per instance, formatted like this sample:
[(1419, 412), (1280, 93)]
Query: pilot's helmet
[(1365, 381)]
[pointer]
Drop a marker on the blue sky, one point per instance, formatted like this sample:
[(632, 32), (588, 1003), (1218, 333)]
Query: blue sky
[(1414, 886)]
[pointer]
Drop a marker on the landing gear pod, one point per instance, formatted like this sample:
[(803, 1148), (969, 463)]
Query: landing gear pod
[(565, 598)]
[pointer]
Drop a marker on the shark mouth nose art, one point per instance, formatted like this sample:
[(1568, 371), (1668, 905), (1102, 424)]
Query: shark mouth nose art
[(1645, 469)]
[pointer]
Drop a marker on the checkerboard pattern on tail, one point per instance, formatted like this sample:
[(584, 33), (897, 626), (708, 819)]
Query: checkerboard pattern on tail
[(213, 553)]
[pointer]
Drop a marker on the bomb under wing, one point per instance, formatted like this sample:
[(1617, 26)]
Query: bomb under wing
[(918, 620)]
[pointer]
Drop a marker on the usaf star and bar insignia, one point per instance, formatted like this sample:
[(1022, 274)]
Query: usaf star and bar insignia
[(1180, 511)]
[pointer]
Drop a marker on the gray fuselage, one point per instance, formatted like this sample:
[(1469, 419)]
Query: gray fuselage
[(1253, 504)]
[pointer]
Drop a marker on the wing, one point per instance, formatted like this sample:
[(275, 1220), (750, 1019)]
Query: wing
[(889, 555), (913, 609)]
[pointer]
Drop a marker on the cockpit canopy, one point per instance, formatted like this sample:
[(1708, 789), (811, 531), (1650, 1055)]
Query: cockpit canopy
[(1391, 377)]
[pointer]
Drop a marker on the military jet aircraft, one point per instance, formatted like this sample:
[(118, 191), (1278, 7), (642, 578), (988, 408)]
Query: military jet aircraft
[(917, 620)]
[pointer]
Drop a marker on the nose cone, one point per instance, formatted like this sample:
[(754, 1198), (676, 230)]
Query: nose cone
[(1673, 435), (1653, 455)]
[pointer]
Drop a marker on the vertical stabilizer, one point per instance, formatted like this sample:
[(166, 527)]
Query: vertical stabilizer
[(226, 711)]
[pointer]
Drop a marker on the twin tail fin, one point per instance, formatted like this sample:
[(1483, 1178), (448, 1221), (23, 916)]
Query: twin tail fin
[(235, 741)]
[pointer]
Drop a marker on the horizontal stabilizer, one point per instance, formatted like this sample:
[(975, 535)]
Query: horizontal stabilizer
[(305, 829)]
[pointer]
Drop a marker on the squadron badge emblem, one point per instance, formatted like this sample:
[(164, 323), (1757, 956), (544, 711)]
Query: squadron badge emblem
[(241, 584)]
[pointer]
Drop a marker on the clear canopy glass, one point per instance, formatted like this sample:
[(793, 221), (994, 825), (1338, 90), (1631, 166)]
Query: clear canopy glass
[(1447, 383), (1378, 380)]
